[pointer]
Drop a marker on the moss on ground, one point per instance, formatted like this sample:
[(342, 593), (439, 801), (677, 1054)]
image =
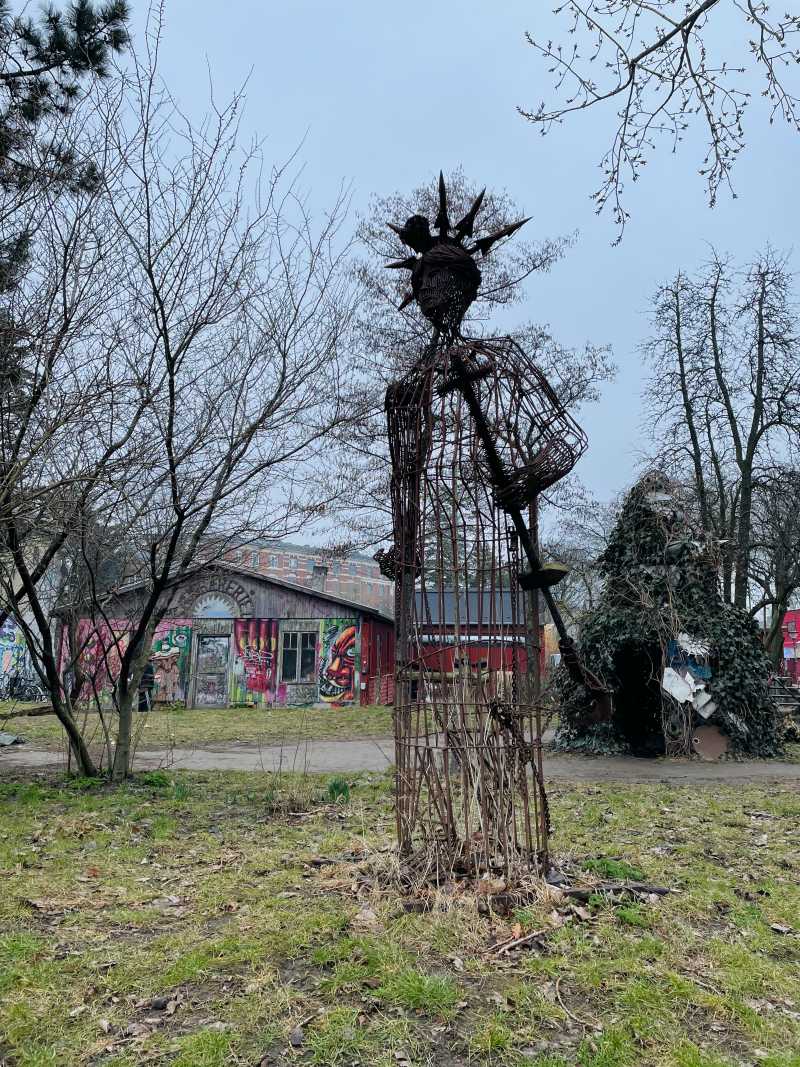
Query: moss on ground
[(179, 921)]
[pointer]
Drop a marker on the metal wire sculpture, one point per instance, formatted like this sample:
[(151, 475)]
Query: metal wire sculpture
[(476, 433)]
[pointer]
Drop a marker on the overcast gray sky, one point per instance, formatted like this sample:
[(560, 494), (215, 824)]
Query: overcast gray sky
[(387, 93)]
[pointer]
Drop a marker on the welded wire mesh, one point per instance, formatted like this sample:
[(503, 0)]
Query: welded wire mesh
[(470, 794)]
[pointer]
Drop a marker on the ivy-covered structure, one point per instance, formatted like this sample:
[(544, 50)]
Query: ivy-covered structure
[(680, 662)]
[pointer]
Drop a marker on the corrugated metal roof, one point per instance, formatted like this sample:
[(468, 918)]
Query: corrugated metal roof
[(473, 607), (269, 579), (476, 608)]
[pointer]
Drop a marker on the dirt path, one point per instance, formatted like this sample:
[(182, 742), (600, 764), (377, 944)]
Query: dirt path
[(377, 755)]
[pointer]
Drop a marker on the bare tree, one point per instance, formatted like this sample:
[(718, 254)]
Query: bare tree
[(576, 531), (775, 555), (724, 395), (232, 314), (70, 412), (657, 63)]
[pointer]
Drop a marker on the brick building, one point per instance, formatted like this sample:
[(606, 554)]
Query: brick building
[(356, 578)]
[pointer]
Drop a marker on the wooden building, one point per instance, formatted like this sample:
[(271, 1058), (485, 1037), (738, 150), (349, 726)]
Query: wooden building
[(237, 637)]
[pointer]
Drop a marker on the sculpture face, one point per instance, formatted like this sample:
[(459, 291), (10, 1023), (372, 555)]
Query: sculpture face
[(445, 283)]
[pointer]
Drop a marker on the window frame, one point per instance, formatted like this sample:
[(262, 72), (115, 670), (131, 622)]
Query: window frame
[(301, 677)]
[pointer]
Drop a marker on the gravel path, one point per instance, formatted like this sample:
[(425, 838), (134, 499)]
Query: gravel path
[(377, 755)]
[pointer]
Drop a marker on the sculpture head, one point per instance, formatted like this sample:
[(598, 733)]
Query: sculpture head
[(444, 277), (416, 233)]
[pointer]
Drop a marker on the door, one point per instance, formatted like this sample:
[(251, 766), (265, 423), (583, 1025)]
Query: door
[(212, 671)]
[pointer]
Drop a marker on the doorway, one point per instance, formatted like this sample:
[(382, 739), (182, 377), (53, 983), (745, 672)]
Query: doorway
[(211, 689)]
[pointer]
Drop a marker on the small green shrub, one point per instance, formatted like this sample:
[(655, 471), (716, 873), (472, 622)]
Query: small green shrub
[(339, 790), (159, 780), (180, 790)]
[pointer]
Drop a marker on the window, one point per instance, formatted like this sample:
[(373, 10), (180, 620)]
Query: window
[(254, 560), (293, 563), (299, 656), (353, 568), (273, 561), (214, 606)]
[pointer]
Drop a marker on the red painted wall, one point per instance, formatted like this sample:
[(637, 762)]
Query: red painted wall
[(791, 644)]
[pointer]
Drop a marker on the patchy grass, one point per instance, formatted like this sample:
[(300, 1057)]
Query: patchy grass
[(184, 727), (179, 920)]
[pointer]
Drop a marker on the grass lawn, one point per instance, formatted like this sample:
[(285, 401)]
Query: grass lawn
[(178, 921), (196, 726)]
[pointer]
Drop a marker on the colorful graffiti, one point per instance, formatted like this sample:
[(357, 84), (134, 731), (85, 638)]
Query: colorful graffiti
[(102, 647), (256, 644), (170, 659), (213, 652), (14, 657), (101, 651), (338, 661)]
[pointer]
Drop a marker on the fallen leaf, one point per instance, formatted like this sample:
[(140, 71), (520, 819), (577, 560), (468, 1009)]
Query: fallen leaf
[(490, 886)]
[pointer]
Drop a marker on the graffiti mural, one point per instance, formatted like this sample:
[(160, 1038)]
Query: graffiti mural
[(170, 658), (299, 695), (102, 645), (14, 657), (338, 661), (255, 644), (101, 649)]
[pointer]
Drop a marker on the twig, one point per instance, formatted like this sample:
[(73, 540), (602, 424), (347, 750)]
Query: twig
[(616, 889), (581, 1022), (516, 942)]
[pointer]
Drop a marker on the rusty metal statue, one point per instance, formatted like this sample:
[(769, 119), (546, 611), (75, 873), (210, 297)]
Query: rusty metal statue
[(476, 434)]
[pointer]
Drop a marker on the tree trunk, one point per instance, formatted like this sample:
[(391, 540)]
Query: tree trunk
[(120, 768), (773, 639), (743, 533), (86, 764)]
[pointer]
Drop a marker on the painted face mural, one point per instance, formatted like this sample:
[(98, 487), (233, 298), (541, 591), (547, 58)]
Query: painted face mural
[(337, 670)]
